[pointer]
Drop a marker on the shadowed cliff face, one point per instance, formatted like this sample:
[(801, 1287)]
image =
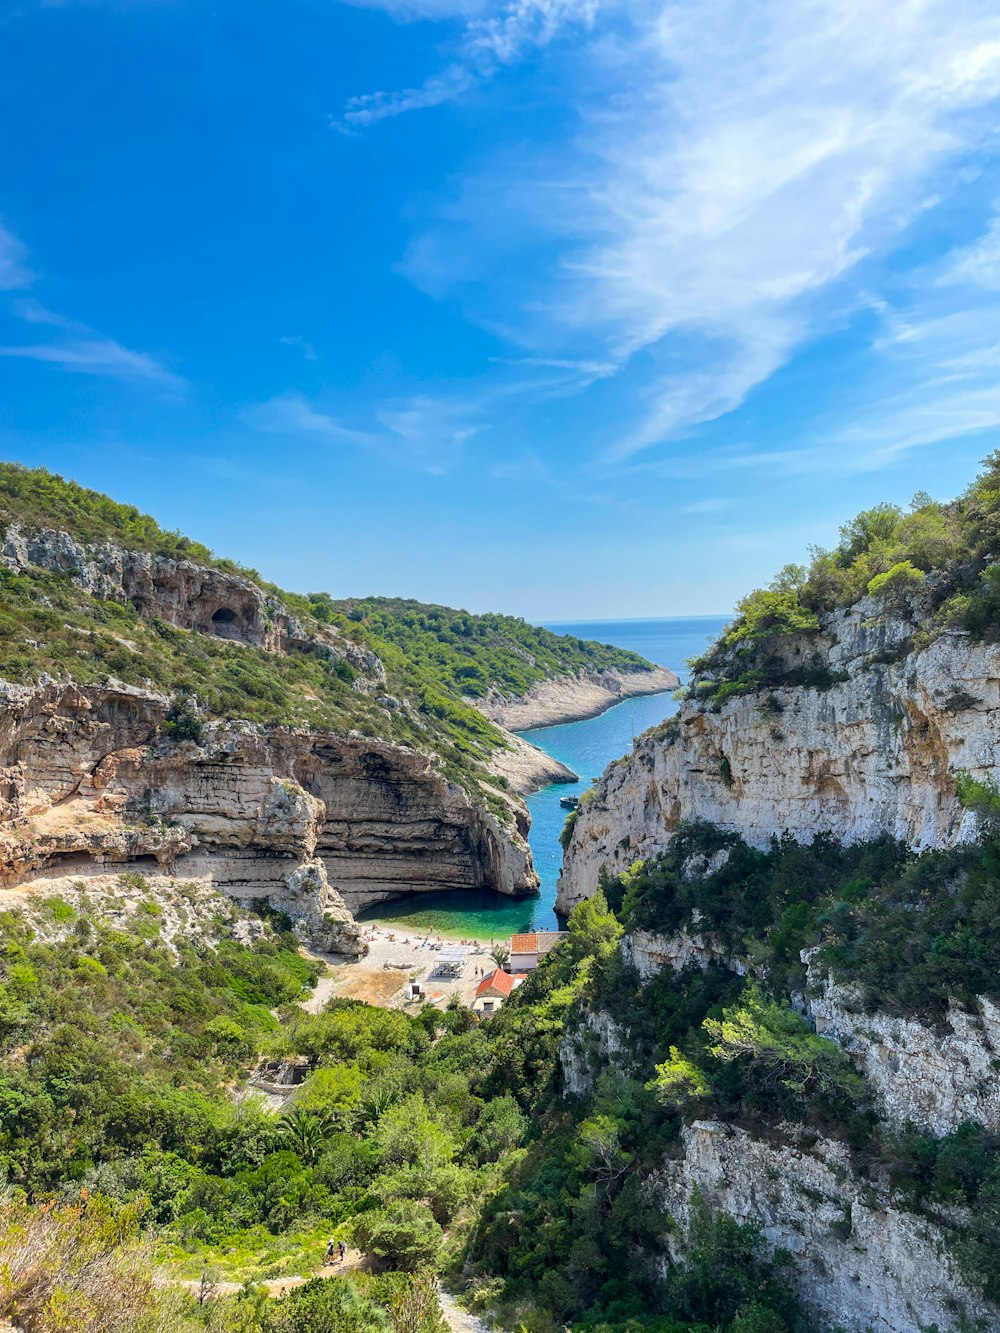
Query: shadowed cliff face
[(316, 823), (874, 752)]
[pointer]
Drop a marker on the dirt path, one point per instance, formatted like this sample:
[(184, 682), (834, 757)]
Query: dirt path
[(353, 1260), (325, 987), (459, 1320)]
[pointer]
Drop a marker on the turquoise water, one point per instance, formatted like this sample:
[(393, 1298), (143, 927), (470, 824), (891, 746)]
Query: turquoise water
[(587, 747)]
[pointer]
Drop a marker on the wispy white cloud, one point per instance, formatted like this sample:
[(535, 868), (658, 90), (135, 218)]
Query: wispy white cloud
[(425, 433), (302, 345), (446, 86), (738, 180), (978, 264), (75, 347), (14, 272), (82, 350), (489, 41), (98, 356)]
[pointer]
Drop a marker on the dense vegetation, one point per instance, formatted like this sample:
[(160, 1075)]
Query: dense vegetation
[(434, 1142), (476, 654), (912, 930), (936, 564), (37, 499), (414, 1138)]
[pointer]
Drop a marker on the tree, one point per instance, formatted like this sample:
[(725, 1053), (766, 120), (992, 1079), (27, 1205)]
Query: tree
[(305, 1132), (500, 953), (764, 613), (877, 524), (897, 585), (780, 1049), (401, 1236)]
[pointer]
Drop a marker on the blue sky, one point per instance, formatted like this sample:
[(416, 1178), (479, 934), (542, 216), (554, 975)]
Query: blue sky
[(556, 307)]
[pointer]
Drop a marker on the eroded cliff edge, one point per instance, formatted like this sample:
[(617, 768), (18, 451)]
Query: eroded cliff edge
[(871, 747), (316, 822)]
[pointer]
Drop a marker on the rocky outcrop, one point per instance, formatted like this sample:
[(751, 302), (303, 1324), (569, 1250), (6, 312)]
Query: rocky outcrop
[(936, 1077), (872, 748), (190, 596), (573, 698), (319, 824), (649, 952), (526, 768), (591, 1044), (860, 1261)]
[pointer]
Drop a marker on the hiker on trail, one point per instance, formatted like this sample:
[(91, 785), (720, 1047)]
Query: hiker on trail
[(341, 1250), (331, 1246)]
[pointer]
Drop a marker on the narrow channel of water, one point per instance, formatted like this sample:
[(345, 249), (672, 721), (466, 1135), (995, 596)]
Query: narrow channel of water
[(587, 747)]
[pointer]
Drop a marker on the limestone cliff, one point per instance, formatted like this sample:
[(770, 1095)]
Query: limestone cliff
[(872, 748), (863, 1257), (320, 824), (863, 1263)]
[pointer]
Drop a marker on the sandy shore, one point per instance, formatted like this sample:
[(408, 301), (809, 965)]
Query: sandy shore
[(574, 698), (395, 957)]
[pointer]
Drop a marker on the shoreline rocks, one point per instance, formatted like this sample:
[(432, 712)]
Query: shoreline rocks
[(573, 698)]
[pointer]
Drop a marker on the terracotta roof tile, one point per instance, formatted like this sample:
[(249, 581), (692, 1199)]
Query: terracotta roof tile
[(523, 943), (499, 981)]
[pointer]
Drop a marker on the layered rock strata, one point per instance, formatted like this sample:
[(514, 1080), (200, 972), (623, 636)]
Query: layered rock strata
[(319, 824), (873, 749)]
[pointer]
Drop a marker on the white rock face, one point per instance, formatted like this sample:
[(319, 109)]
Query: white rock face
[(936, 1078), (595, 1043), (876, 752), (860, 1262), (649, 952)]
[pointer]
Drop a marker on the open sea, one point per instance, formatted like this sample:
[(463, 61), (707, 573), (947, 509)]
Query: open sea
[(587, 747)]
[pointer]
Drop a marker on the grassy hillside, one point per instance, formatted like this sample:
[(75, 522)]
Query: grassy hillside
[(38, 499)]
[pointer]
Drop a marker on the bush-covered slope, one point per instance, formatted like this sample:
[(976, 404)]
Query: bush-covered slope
[(414, 1138), (938, 563), (476, 654), (39, 499)]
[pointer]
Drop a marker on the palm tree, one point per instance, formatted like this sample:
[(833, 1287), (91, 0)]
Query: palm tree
[(305, 1132), (500, 953)]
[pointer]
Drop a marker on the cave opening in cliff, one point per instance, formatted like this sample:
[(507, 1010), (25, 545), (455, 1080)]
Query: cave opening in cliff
[(226, 623)]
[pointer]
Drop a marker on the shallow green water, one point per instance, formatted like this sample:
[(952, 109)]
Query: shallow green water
[(476, 914), (587, 747)]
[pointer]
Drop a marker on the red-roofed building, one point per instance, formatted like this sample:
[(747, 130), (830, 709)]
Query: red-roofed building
[(493, 990), (526, 950)]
